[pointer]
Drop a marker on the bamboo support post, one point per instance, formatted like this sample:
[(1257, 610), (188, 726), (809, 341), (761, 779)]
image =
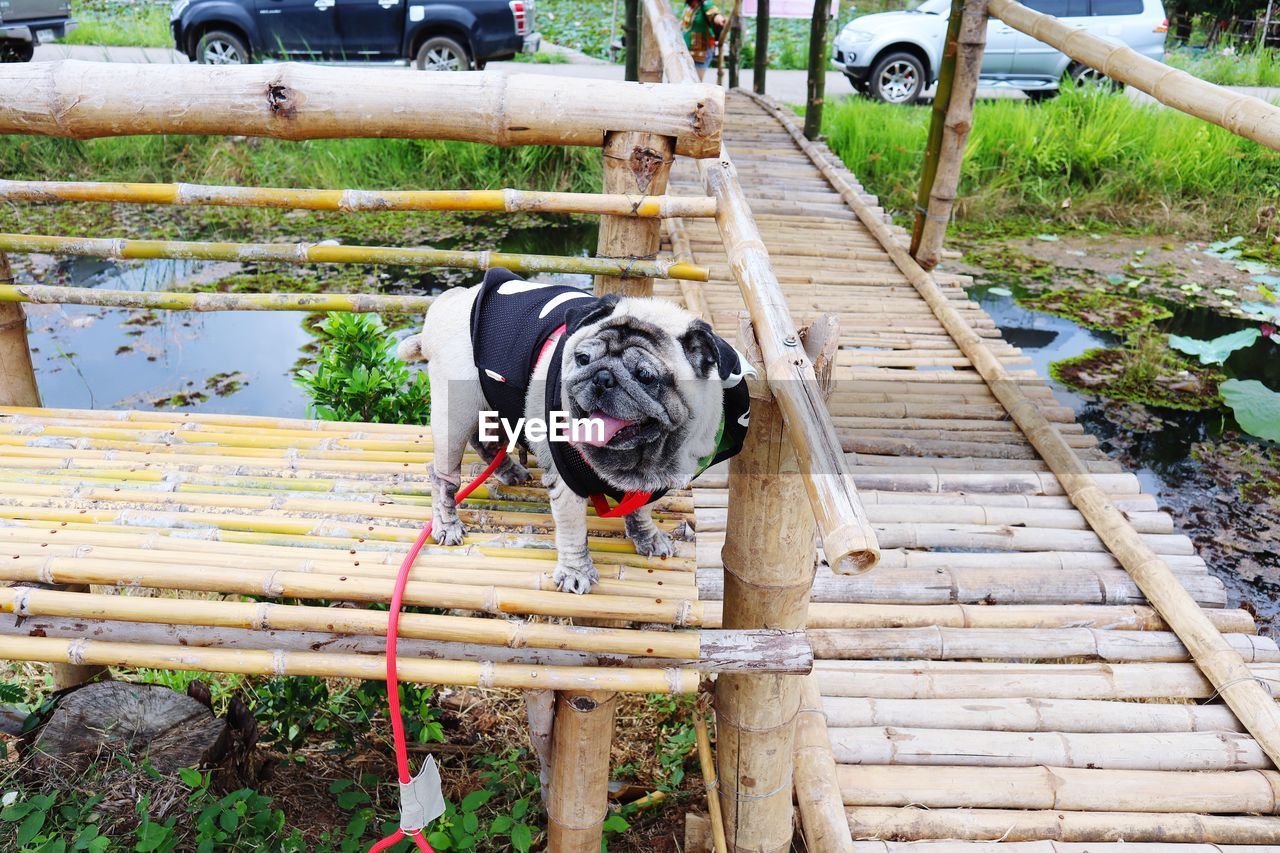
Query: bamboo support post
[(83, 100), (650, 69), (540, 706), (762, 46), (767, 581), (817, 80), (737, 32), (1220, 663), (1244, 115), (350, 200), (694, 298), (579, 790), (1008, 825), (708, 766), (638, 164), (822, 819), (18, 387), (647, 267), (727, 45), (949, 130)]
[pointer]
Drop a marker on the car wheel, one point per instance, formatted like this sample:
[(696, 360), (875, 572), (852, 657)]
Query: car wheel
[(219, 47), (12, 50), (441, 53), (1084, 75), (896, 79)]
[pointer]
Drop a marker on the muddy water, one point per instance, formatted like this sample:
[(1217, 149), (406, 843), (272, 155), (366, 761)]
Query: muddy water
[(232, 362)]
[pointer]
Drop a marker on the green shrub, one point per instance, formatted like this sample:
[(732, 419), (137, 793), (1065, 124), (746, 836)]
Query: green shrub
[(357, 377)]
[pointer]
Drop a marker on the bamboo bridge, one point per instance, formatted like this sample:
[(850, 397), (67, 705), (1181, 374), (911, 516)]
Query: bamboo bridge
[(937, 615)]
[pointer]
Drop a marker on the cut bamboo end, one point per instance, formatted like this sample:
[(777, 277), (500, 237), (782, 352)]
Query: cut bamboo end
[(352, 200), (324, 253)]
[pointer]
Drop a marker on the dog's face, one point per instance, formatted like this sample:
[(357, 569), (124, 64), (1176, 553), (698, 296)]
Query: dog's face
[(646, 369)]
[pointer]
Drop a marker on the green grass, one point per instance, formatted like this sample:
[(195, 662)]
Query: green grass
[(1084, 156), (1252, 68), (104, 22)]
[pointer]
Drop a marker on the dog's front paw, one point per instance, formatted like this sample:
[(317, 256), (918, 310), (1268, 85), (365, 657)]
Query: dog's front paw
[(654, 543), (576, 575), (449, 532), (512, 473)]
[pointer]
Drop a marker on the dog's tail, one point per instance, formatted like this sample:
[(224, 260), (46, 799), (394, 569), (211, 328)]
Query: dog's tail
[(410, 349)]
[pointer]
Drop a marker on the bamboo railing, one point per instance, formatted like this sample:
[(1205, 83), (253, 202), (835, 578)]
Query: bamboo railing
[(493, 201), (298, 101)]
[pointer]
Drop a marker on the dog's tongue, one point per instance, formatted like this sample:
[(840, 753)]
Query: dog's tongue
[(612, 426)]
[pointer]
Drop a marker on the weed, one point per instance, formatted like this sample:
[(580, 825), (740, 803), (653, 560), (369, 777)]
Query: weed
[(358, 378), (1228, 67), (1144, 371), (104, 22)]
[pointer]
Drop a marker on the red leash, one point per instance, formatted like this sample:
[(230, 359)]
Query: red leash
[(628, 504)]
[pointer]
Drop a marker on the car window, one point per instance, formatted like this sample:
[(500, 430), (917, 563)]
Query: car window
[(1063, 8), (1116, 7), (933, 7)]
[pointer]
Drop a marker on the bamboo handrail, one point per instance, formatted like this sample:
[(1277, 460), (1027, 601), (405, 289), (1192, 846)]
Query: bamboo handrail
[(83, 100), (1244, 115), (847, 537), (42, 294), (349, 200), (322, 253), (1218, 661)]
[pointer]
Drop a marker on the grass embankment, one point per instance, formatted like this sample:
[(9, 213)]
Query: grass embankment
[(140, 24), (1082, 157), (1250, 68)]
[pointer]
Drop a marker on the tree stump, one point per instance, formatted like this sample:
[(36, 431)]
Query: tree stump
[(146, 721)]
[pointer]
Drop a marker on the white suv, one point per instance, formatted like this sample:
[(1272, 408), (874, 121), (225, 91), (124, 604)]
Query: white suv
[(894, 56)]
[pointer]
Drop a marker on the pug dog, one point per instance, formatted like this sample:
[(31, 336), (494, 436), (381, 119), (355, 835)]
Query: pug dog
[(645, 394)]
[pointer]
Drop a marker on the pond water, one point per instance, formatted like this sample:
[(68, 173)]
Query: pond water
[(1160, 454), (239, 362)]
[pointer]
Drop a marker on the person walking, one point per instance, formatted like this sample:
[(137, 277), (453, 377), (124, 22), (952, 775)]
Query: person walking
[(701, 23)]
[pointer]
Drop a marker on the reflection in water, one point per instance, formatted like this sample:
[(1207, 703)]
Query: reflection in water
[(233, 362)]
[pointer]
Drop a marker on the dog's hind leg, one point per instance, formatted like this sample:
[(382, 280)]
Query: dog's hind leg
[(510, 472), (648, 539), (455, 405), (574, 570)]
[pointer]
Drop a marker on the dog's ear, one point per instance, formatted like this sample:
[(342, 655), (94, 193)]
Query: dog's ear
[(587, 312), (699, 343)]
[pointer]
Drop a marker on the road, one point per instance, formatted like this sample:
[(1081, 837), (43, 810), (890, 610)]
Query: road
[(787, 86)]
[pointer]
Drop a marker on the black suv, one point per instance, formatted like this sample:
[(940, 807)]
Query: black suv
[(448, 35)]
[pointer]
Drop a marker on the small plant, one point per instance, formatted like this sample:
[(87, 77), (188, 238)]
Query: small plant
[(358, 378), (297, 708)]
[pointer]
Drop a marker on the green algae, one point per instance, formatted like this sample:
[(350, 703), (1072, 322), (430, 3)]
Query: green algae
[(1096, 309)]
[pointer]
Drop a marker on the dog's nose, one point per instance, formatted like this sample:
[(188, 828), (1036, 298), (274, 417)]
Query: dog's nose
[(604, 379)]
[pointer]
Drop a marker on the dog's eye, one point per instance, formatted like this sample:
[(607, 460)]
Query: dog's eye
[(645, 376), (582, 359)]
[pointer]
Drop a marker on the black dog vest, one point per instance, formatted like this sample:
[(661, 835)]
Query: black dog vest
[(511, 323)]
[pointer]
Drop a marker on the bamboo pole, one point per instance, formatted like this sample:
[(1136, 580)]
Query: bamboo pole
[(85, 651), (971, 680), (579, 791), (708, 766), (1029, 715), (1052, 847), (83, 100), (694, 299), (1221, 664), (43, 294), (322, 253), (1061, 788), (817, 81), (762, 46), (822, 820), (1183, 751), (1010, 826), (650, 69), (949, 130), (1244, 115), (631, 39), (638, 164), (737, 32), (350, 200), (726, 45), (767, 581)]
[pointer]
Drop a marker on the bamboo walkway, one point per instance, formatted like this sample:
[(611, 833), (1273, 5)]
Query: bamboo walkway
[(999, 676)]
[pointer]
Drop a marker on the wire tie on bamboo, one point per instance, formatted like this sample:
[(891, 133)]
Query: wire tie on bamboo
[(683, 611), (270, 586), (517, 639), (590, 826), (673, 679), (20, 601), (487, 674), (739, 797), (728, 720), (76, 649), (262, 616), (1264, 682), (491, 599)]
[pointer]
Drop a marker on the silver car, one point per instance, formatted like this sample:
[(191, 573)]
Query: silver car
[(894, 56), (26, 23)]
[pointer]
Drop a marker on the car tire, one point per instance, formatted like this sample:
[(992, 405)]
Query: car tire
[(219, 47), (1038, 95), (13, 50), (1083, 75), (896, 78), (441, 53)]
